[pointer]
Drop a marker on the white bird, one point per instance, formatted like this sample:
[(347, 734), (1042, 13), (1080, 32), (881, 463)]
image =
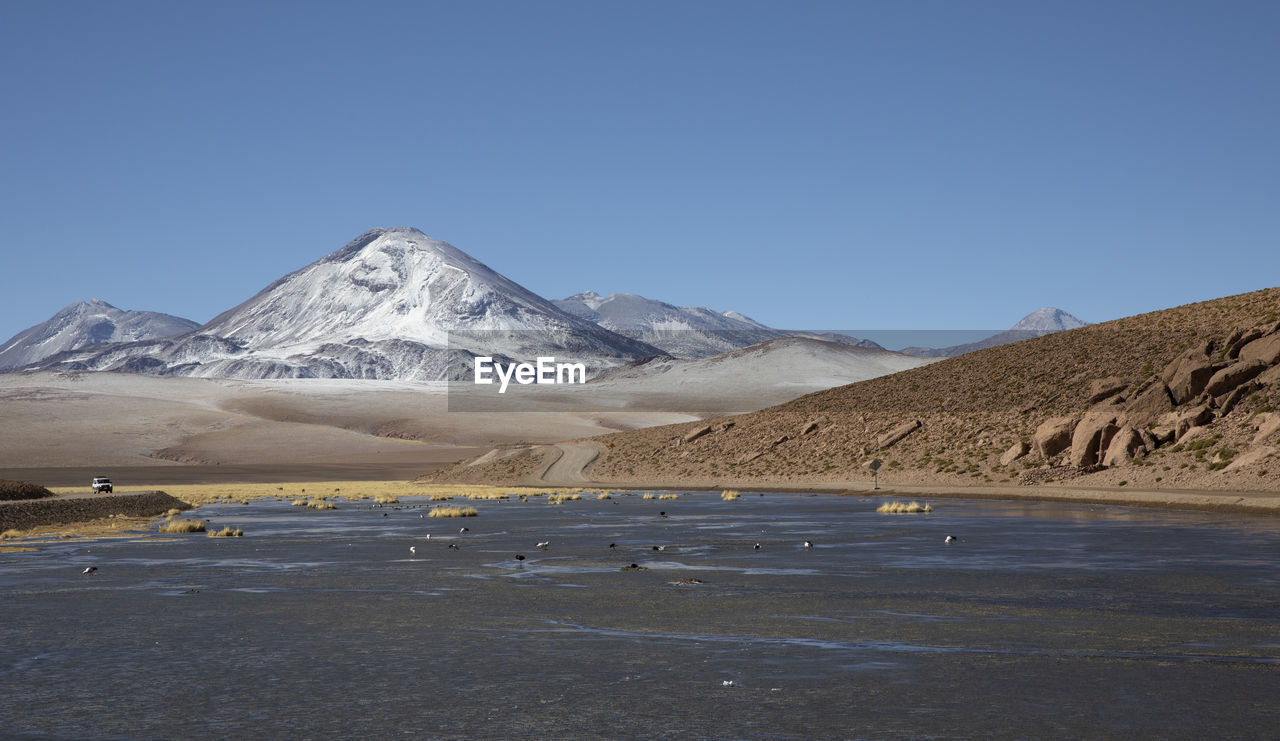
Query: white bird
[(757, 546), (543, 545), (413, 551), (89, 570), (950, 539), (808, 544), (428, 536), (727, 683), (463, 530)]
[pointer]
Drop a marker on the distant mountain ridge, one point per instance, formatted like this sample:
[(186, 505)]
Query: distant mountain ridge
[(397, 304), (680, 331), (86, 323), (391, 304)]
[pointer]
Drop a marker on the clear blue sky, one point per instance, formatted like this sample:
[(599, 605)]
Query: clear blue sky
[(896, 164)]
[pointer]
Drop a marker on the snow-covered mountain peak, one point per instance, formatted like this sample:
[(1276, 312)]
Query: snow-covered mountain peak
[(392, 303), (1048, 319), (393, 283), (84, 323)]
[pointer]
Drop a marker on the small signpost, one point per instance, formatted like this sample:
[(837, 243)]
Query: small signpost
[(874, 465)]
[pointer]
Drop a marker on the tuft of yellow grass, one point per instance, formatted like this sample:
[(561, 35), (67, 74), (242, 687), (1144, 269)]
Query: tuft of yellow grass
[(322, 505), (386, 499), (729, 495), (560, 498), (299, 502), (604, 495), (179, 525), (226, 532), (903, 508), (172, 512), (649, 495), (453, 512), (440, 497), (668, 496), (10, 534)]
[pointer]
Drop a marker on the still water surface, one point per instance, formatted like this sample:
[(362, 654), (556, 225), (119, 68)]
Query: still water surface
[(1041, 621)]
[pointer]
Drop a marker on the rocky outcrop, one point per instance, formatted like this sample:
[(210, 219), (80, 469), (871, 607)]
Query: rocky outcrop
[(1190, 378), (1233, 375), (1268, 428), (1104, 388), (1016, 451), (1092, 436), (1203, 384), (1238, 340), (1148, 405), (897, 433), (1053, 436), (697, 433), (1183, 421), (1125, 446), (1265, 350), (1257, 455)]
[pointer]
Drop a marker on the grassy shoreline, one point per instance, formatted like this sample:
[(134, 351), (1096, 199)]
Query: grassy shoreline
[(339, 492)]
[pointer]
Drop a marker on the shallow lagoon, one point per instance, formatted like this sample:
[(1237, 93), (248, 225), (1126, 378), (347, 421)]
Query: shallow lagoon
[(1043, 620)]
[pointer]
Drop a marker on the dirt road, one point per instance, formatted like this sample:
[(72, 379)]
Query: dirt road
[(569, 468)]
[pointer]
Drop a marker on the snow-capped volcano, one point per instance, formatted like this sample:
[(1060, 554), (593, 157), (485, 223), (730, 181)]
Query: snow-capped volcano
[(92, 322), (1047, 321), (391, 284), (681, 331), (392, 304)]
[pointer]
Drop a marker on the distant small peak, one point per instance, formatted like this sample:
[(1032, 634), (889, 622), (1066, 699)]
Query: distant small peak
[(1049, 318)]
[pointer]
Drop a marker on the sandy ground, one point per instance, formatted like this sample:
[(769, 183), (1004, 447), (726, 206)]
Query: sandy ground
[(107, 421)]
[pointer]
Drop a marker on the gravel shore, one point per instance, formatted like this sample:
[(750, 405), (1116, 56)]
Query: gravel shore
[(66, 508)]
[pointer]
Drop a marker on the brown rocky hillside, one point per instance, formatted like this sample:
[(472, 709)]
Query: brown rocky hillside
[(1180, 398)]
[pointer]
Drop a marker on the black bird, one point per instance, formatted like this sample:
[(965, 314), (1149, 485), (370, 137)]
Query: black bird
[(454, 546), (613, 546), (950, 539), (89, 570), (659, 547), (519, 556), (465, 530), (757, 546)]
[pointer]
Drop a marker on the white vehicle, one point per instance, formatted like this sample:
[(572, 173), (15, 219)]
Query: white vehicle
[(102, 485)]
